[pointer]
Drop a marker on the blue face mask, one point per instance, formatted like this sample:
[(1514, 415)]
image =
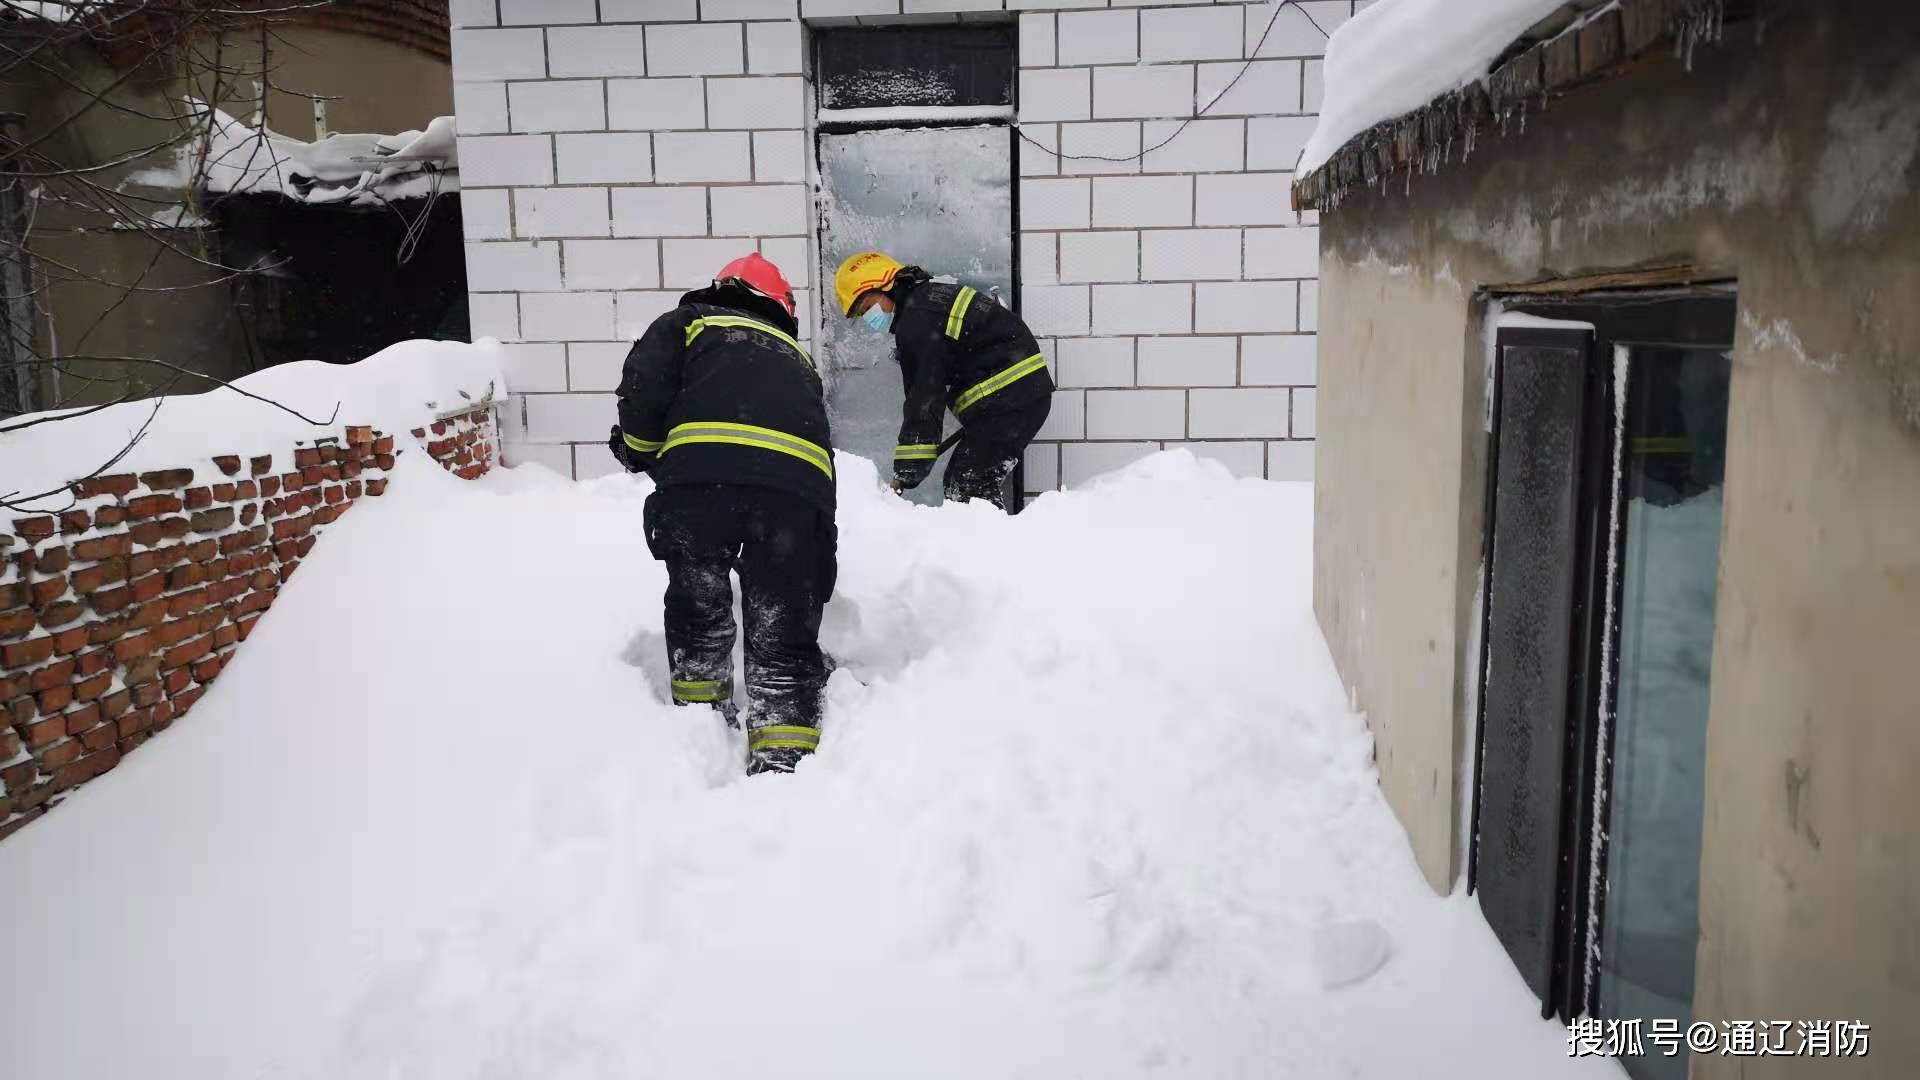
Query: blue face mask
[(878, 319)]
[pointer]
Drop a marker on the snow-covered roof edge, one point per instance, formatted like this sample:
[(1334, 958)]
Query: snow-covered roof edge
[(1407, 82)]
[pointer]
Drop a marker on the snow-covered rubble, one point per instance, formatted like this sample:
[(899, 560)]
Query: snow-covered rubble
[(396, 390), (1398, 55), (1098, 814)]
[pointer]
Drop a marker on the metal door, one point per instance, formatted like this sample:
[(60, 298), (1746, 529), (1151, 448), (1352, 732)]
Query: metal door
[(936, 197)]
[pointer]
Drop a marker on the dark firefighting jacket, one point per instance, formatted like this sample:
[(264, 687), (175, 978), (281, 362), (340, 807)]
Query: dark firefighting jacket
[(719, 391), (963, 351)]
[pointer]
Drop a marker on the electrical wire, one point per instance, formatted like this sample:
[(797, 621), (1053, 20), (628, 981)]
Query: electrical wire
[(1217, 98)]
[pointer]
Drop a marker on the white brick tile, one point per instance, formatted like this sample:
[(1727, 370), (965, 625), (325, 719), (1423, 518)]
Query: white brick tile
[(690, 264), (1190, 255), (596, 50), (561, 212), (481, 55), (791, 256), (1188, 361), (1142, 309), (1202, 146), (1054, 204), (1283, 253), (1099, 256), (712, 10), (707, 49), (695, 157), (546, 12), (1094, 362), (667, 211), (485, 215), (1314, 90), (534, 368), (1177, 3), (774, 48), (1244, 307), (1149, 93), (494, 315), (1136, 414), (1039, 160), (1275, 142), (1082, 462), (1039, 261), (1293, 34), (616, 158), (1290, 461), (1142, 201), (943, 10), (1066, 417), (1310, 305), (596, 366), (1040, 468), (637, 310), (1247, 460), (473, 13), (506, 160), (656, 104), (1239, 414), (559, 418), (480, 108), (1046, 5), (1303, 419), (1202, 33), (772, 102), (566, 316), (619, 11), (611, 264), (1099, 37), (1279, 360), (823, 9), (1054, 95), (504, 267), (1243, 199), (567, 105), (779, 155), (1057, 310), (1268, 87), (1038, 42), (592, 460), (1096, 141), (559, 457), (772, 210)]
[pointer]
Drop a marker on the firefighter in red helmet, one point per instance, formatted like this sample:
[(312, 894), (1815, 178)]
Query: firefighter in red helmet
[(721, 405)]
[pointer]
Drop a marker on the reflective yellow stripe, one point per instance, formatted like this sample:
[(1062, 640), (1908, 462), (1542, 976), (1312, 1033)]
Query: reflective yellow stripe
[(641, 445), (702, 689), (696, 326), (1663, 444), (995, 383), (959, 311), (916, 452), (748, 435), (784, 736)]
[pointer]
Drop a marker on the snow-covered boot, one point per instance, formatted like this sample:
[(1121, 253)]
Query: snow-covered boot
[(779, 747), (774, 761)]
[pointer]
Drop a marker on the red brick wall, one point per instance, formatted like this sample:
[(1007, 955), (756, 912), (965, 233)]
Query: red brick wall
[(117, 614)]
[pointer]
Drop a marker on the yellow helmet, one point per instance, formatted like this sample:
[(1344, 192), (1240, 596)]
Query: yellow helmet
[(863, 273)]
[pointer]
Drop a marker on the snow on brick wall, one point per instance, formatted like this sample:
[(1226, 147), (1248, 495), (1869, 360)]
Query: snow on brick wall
[(117, 613), (631, 158)]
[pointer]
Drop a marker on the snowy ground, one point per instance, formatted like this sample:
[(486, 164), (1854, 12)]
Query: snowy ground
[(1098, 810)]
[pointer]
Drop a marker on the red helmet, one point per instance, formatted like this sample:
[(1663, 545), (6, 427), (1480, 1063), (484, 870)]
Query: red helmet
[(761, 276)]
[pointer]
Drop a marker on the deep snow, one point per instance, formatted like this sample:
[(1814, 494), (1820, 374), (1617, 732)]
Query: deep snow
[(1098, 810)]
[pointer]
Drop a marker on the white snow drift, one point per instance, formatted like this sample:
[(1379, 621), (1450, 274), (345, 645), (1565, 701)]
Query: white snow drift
[(1089, 816)]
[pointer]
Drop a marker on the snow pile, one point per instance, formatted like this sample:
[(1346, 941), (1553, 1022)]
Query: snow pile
[(1398, 55), (1093, 806), (396, 390)]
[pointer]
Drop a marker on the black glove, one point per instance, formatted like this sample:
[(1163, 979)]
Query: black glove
[(622, 453), (910, 474)]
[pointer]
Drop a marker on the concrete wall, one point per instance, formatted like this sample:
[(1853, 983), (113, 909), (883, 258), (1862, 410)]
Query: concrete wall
[(608, 168), (1789, 162)]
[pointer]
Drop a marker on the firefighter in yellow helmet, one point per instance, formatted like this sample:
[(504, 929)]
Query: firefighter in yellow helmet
[(957, 350)]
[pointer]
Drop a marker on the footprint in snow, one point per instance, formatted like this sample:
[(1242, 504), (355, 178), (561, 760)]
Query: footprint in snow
[(1349, 952)]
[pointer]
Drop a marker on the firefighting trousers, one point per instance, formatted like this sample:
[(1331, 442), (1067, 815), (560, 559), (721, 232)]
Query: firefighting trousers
[(784, 549), (988, 451)]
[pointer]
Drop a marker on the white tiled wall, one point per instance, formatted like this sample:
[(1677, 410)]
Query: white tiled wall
[(616, 152)]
